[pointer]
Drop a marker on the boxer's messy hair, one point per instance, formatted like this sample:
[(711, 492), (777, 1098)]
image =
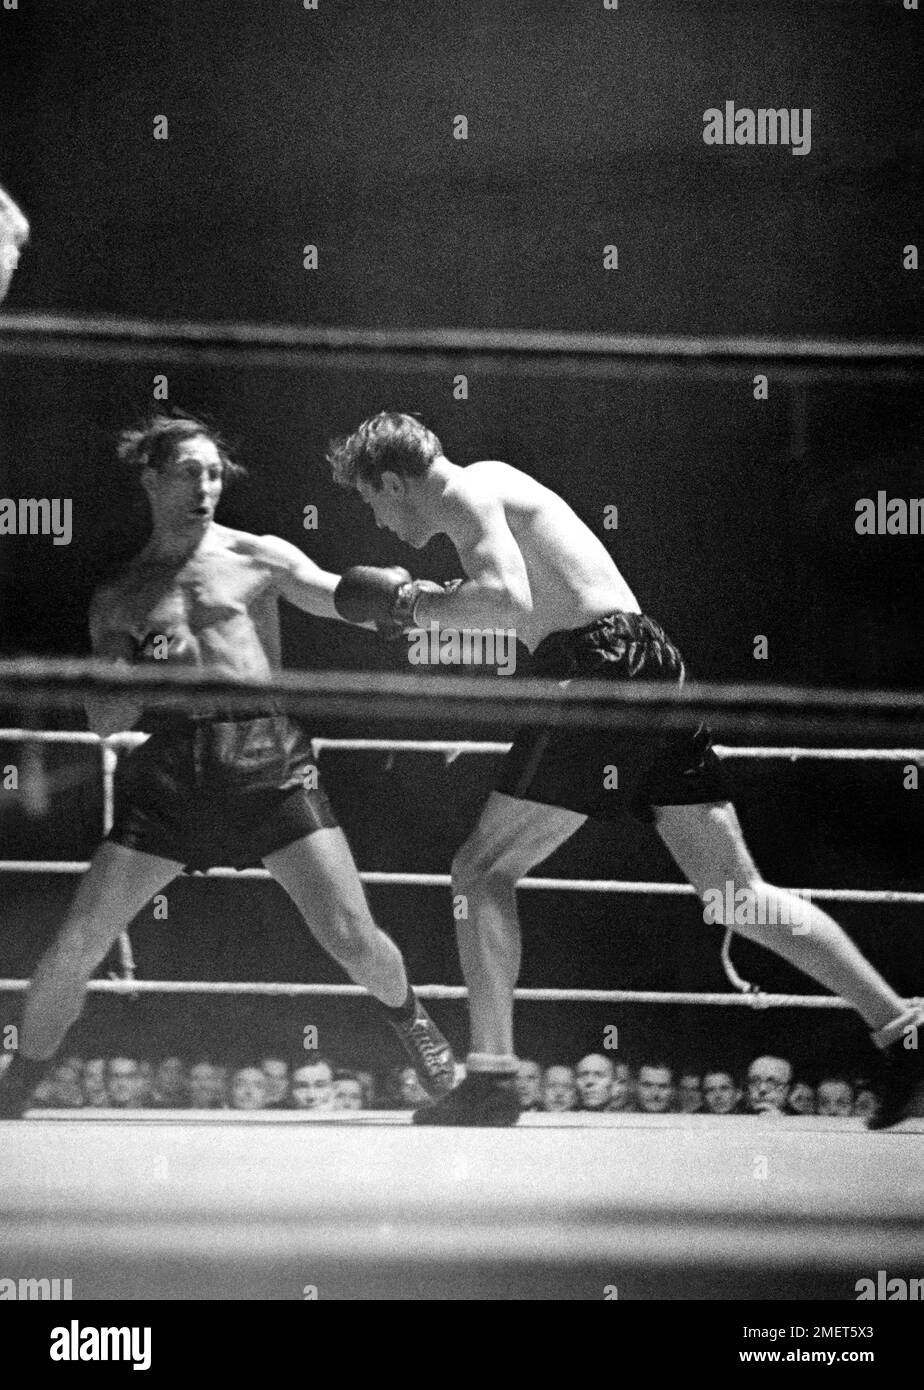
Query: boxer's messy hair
[(155, 441), (13, 221), (387, 442)]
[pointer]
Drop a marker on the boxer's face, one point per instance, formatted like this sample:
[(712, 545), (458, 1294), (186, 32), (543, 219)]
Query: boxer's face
[(720, 1093), (313, 1087), (394, 507), (655, 1090), (594, 1078), (835, 1098), (529, 1084), (185, 492)]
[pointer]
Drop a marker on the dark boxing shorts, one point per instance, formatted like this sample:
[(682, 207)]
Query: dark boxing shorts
[(568, 768), (219, 790)]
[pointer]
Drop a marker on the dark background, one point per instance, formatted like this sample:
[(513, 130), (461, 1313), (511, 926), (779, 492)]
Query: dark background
[(735, 516)]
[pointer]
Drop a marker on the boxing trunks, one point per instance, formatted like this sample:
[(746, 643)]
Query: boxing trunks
[(602, 773), (219, 790)]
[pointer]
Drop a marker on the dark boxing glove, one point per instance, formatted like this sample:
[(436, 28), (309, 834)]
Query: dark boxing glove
[(383, 596)]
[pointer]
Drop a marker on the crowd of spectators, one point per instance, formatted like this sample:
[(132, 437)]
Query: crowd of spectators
[(596, 1083)]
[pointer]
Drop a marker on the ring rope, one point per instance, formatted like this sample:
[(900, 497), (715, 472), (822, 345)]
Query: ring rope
[(591, 704), (447, 992), (548, 885), (530, 351), (453, 748)]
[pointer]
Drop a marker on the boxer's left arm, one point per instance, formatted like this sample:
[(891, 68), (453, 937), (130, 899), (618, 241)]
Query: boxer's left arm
[(301, 582), (496, 593)]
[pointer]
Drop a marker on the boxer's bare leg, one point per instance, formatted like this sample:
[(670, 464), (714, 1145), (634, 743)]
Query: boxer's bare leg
[(511, 837), (114, 889), (708, 845), (319, 874)]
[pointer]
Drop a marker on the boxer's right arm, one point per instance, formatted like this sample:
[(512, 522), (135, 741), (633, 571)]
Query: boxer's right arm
[(115, 714)]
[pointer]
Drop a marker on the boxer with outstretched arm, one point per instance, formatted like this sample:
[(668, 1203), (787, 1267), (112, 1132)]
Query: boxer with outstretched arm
[(211, 786)]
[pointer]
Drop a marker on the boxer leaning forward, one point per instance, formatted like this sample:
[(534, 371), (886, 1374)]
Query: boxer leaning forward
[(532, 565), (210, 787)]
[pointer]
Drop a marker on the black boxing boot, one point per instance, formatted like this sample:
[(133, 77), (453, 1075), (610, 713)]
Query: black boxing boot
[(901, 1078), (17, 1085), (487, 1096), (430, 1053)]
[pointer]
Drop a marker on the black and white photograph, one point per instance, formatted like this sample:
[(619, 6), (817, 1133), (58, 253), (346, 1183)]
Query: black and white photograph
[(461, 676)]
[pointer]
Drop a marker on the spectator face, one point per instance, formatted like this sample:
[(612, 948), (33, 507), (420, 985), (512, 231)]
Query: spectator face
[(769, 1080), (248, 1089), (206, 1087), (277, 1080), (866, 1103), (594, 1078), (313, 1087), (835, 1099), (720, 1093), (529, 1085), (348, 1094), (63, 1087), (690, 1093), (802, 1099), (558, 1090), (94, 1082), (410, 1091), (170, 1080), (621, 1088), (655, 1090), (125, 1083)]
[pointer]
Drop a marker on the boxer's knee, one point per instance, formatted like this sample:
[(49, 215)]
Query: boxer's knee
[(737, 901), (350, 936)]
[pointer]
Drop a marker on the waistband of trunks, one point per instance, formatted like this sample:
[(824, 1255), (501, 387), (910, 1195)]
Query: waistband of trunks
[(617, 644)]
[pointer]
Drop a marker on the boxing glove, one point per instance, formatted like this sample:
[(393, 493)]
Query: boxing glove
[(383, 596)]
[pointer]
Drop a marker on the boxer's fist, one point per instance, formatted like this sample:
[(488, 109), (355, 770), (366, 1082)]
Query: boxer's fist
[(383, 596), (366, 593)]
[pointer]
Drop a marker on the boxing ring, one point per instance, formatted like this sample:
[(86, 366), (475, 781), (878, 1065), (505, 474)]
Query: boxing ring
[(299, 1205), (180, 1205)]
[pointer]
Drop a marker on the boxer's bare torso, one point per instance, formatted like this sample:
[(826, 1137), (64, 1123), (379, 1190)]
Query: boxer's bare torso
[(571, 577), (215, 609)]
